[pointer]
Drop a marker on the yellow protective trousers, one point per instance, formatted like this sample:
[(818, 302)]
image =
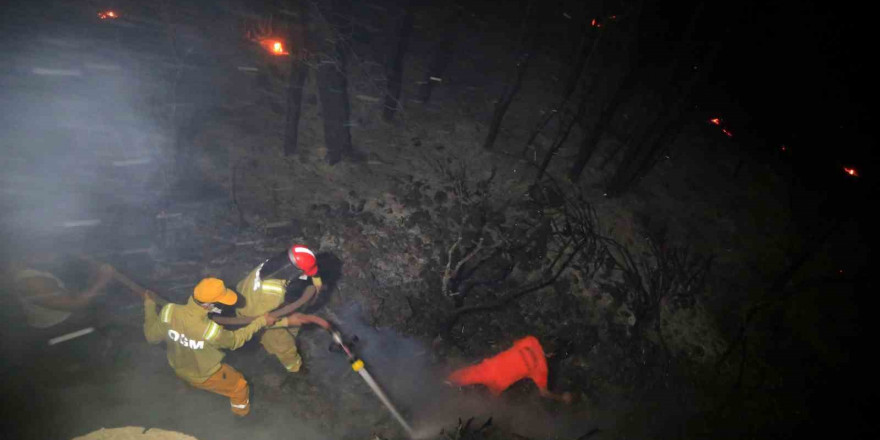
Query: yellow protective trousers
[(281, 343)]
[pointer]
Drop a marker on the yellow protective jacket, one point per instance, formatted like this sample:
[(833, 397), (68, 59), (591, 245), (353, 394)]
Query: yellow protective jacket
[(260, 296), (194, 343)]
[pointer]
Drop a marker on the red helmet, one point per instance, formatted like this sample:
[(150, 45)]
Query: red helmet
[(304, 259)]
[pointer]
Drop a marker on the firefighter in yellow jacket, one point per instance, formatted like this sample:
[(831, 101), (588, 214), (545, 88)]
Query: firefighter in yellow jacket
[(260, 298), (264, 295), (194, 343)]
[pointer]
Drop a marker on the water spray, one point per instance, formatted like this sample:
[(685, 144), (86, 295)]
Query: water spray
[(358, 366)]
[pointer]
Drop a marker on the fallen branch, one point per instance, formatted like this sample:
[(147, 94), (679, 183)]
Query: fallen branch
[(448, 275)]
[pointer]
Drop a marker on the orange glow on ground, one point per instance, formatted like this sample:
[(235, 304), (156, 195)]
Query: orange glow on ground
[(104, 15)]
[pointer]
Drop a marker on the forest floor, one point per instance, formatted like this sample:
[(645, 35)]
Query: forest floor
[(383, 227)]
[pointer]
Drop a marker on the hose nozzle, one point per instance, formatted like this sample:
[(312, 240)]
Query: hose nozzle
[(337, 337)]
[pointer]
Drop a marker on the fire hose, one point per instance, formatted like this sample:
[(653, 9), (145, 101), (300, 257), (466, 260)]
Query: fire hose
[(358, 366), (308, 294)]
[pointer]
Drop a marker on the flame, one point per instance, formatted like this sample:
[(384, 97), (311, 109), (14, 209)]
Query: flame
[(104, 15), (593, 23), (715, 121), (275, 47), (727, 132), (851, 171)]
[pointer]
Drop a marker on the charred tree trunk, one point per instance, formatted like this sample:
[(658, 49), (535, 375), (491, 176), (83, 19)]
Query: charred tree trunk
[(394, 68), (333, 84), (514, 85), (640, 157), (591, 142), (586, 49), (441, 57), (563, 136), (298, 73), (502, 105)]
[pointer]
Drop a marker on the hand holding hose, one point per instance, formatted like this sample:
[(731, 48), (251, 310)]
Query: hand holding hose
[(300, 319)]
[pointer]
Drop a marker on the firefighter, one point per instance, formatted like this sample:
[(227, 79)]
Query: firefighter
[(263, 295), (194, 342), (49, 309), (525, 360), (299, 257), (45, 300)]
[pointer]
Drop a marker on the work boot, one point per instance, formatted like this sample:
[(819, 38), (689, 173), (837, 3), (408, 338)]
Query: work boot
[(256, 417)]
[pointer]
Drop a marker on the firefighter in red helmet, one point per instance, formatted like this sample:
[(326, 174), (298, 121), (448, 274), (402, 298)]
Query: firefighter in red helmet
[(304, 260), (298, 257), (264, 292)]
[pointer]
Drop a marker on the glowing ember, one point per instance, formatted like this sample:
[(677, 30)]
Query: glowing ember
[(275, 47), (783, 148), (727, 132), (105, 15), (851, 171), (593, 23), (715, 121)]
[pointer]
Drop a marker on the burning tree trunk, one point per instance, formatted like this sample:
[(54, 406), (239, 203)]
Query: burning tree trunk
[(441, 57), (298, 73), (513, 86), (394, 69), (332, 82)]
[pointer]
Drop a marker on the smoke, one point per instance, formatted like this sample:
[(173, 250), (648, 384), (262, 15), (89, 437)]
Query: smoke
[(80, 149), (415, 382)]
